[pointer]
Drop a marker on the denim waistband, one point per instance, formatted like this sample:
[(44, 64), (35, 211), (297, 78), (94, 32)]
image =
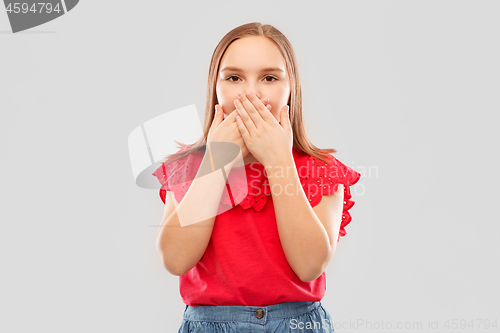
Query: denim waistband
[(257, 314)]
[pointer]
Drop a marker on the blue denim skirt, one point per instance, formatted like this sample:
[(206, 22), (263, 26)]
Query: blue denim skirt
[(290, 317)]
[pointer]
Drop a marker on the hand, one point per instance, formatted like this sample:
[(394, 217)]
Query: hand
[(267, 140), (226, 130)]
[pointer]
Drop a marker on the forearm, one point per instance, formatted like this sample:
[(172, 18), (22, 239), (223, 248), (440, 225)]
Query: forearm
[(304, 240), (185, 233)]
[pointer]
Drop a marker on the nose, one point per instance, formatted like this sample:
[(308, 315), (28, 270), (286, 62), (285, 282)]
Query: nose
[(253, 89)]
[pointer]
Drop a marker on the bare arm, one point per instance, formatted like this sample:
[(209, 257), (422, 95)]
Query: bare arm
[(308, 234), (187, 226)]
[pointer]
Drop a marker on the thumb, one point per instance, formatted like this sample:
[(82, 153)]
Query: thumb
[(218, 118), (285, 121)]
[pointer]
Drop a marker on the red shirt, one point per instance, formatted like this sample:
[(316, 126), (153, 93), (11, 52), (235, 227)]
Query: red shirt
[(244, 262)]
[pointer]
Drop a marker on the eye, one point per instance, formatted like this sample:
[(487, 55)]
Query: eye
[(232, 76), (270, 77)]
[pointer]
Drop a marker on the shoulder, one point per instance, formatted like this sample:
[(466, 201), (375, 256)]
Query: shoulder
[(174, 164), (176, 174), (333, 168), (320, 178)]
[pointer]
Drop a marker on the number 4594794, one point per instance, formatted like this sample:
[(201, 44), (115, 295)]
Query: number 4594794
[(17, 7), (471, 324)]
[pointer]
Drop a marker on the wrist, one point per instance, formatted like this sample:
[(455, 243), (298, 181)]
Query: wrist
[(280, 161)]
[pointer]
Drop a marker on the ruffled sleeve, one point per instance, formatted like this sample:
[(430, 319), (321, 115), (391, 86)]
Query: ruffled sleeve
[(177, 176), (319, 178)]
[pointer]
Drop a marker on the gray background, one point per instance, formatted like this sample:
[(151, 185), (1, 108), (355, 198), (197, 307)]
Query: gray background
[(406, 91)]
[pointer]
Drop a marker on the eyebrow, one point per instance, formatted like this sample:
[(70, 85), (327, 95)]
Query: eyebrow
[(236, 69)]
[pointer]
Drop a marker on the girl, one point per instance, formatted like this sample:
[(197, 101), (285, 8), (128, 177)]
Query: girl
[(250, 243)]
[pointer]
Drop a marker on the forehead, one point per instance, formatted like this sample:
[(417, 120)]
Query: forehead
[(253, 52)]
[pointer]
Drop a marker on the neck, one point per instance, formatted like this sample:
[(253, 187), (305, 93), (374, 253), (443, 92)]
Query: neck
[(249, 159)]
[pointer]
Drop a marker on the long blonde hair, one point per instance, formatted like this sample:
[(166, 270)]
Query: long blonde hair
[(300, 140)]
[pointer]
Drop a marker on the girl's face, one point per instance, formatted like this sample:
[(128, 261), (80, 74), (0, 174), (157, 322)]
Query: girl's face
[(253, 64)]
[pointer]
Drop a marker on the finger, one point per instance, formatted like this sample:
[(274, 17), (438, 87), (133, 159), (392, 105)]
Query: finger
[(256, 109), (242, 128), (253, 113), (245, 118), (232, 116)]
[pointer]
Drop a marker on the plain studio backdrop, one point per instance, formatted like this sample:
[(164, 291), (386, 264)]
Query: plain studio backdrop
[(406, 91)]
